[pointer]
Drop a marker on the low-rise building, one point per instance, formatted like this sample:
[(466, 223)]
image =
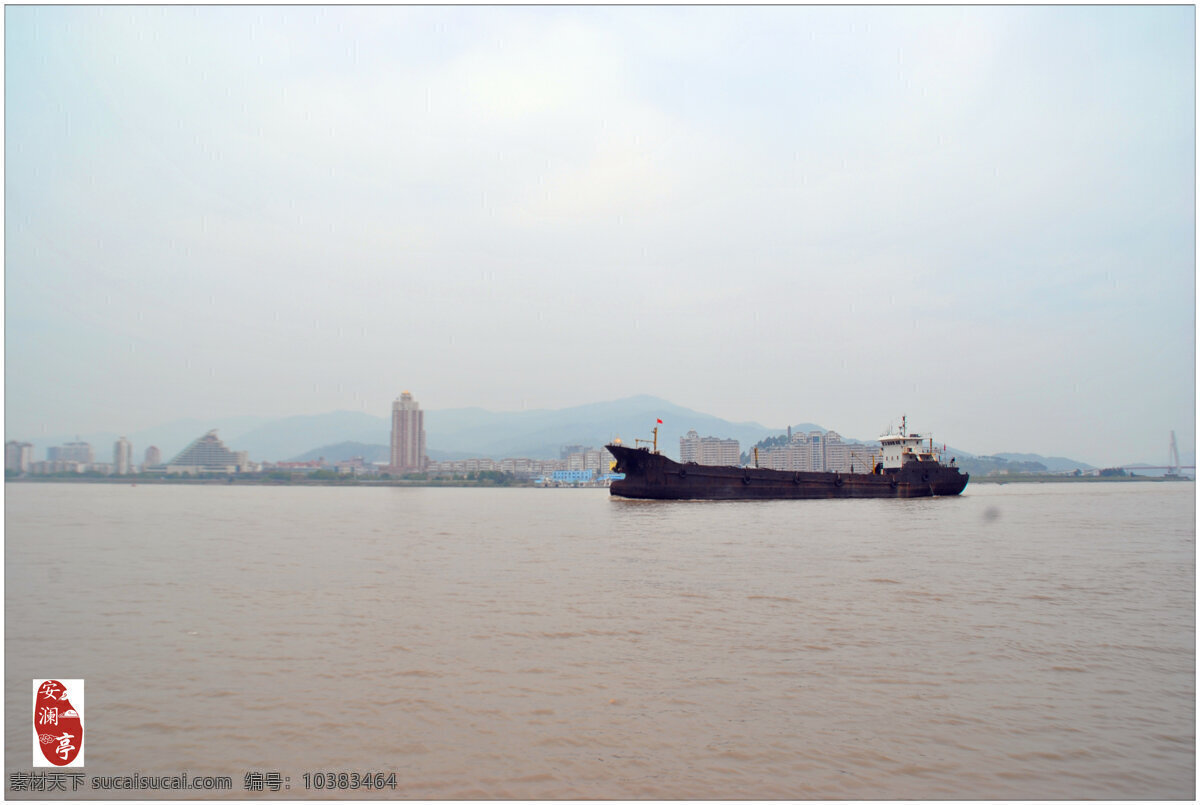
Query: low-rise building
[(572, 476), (52, 467)]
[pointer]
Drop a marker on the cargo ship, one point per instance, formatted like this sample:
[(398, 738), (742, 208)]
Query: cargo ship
[(906, 467)]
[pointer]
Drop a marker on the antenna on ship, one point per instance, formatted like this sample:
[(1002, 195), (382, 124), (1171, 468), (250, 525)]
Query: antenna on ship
[(903, 425)]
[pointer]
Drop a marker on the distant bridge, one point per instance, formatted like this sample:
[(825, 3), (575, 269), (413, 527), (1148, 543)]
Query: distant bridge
[(1144, 467), (1172, 456)]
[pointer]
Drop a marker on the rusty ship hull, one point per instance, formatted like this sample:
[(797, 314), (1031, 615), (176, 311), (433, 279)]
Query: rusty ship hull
[(650, 475)]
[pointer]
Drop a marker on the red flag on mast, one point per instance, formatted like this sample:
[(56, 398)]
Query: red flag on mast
[(660, 421)]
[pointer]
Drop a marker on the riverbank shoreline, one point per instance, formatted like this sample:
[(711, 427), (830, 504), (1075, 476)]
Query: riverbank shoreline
[(514, 484), (244, 481), (1073, 479)]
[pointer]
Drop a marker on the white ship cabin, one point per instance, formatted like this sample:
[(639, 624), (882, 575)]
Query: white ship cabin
[(899, 450)]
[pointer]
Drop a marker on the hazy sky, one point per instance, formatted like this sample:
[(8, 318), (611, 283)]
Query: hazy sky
[(981, 217)]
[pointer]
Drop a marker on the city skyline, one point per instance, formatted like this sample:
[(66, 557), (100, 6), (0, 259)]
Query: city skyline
[(981, 217), (407, 419)]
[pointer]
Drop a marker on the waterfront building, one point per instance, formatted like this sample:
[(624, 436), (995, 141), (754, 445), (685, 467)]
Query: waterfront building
[(50, 467), (71, 451), (598, 461), (523, 468), (842, 456), (688, 447), (520, 467), (837, 453), (816, 444), (296, 468), (207, 454), (817, 452), (122, 457), (408, 435), (779, 458), (585, 458), (793, 456), (709, 450), (571, 476), (355, 466), (863, 457), (18, 456), (153, 457)]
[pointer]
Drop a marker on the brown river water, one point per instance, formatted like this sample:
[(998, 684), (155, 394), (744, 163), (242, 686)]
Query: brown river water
[(1022, 641)]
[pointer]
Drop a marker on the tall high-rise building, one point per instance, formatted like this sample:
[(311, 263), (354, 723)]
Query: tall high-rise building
[(122, 456), (18, 456), (153, 456), (408, 435), (816, 441)]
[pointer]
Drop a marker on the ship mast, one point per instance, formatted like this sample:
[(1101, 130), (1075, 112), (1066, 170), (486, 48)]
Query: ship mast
[(636, 442)]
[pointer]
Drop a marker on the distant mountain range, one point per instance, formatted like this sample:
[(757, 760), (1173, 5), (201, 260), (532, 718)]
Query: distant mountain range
[(475, 432), (464, 433), (1052, 463)]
